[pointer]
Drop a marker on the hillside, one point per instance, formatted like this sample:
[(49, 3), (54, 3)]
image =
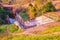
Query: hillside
[(47, 28)]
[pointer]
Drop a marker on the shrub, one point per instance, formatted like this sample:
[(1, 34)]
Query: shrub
[(48, 7), (24, 14), (32, 10), (3, 14)]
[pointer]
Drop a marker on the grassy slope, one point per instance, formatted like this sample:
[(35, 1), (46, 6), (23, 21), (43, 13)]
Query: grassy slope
[(13, 28), (49, 30), (9, 27), (29, 37)]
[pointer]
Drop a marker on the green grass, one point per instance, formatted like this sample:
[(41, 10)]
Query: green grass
[(2, 28), (29, 37), (49, 30), (11, 28)]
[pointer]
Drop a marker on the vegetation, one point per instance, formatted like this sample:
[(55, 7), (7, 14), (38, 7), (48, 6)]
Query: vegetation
[(24, 14), (3, 14), (34, 10), (13, 28), (2, 28), (29, 37), (1, 22), (31, 11), (10, 28), (48, 7), (49, 30), (38, 8)]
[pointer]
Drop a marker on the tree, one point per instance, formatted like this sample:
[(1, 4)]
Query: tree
[(31, 11)]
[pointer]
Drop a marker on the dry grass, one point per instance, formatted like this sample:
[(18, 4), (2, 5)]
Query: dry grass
[(53, 15)]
